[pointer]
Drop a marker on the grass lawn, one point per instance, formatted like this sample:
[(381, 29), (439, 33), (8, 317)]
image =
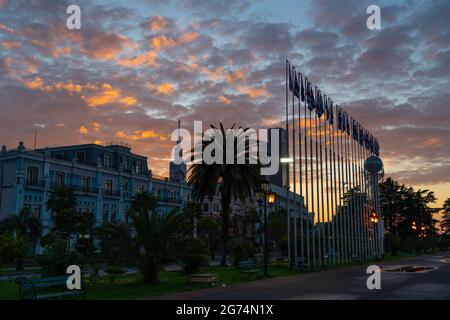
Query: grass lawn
[(129, 286)]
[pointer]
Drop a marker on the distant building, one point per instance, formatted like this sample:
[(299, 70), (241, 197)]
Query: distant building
[(104, 178)]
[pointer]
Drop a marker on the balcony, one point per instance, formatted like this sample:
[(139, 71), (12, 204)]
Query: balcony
[(169, 200), (111, 193), (84, 189), (35, 184)]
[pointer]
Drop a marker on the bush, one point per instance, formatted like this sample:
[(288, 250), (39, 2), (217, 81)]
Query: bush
[(56, 258), (193, 255), (240, 251)]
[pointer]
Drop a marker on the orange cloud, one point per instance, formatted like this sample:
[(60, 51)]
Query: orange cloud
[(232, 77), (163, 88), (58, 52), (106, 46), (109, 95), (148, 59), (138, 135), (434, 141), (158, 23), (253, 92), (11, 44), (83, 130), (36, 83), (215, 75), (224, 100), (162, 42), (68, 86), (189, 36)]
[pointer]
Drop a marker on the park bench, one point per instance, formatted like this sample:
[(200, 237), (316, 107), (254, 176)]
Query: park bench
[(52, 288), (204, 278), (248, 267), (300, 263)]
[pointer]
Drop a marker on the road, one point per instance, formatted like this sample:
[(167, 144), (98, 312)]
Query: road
[(345, 283)]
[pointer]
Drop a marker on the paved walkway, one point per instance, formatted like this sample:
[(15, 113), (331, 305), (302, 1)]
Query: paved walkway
[(342, 283)]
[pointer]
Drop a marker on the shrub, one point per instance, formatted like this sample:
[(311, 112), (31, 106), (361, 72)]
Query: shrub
[(240, 251), (56, 258), (193, 255)]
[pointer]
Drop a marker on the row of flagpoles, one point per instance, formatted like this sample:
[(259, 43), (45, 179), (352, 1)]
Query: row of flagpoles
[(333, 225)]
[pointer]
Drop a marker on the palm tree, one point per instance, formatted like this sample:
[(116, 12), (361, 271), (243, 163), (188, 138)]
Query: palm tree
[(232, 180), (61, 198), (25, 225), (150, 242)]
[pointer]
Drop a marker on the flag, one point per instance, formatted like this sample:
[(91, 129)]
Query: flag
[(291, 84), (355, 129), (296, 85), (361, 135), (325, 105), (309, 95), (319, 103), (339, 117), (347, 124), (302, 88), (330, 109)]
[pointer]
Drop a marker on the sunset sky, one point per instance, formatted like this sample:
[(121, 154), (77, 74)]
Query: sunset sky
[(136, 67)]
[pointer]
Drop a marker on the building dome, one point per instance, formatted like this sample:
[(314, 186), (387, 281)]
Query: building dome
[(373, 164)]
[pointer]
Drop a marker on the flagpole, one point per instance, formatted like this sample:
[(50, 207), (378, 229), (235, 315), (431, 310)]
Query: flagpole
[(350, 191), (322, 207), (344, 217), (349, 187), (333, 185), (327, 126), (307, 186), (317, 183), (288, 217), (363, 199), (336, 189), (302, 252), (294, 176), (355, 194), (312, 193)]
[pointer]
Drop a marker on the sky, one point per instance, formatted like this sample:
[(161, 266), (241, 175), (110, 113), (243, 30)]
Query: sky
[(136, 67)]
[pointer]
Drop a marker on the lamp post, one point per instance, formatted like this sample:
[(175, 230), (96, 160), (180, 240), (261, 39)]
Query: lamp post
[(373, 217), (264, 194)]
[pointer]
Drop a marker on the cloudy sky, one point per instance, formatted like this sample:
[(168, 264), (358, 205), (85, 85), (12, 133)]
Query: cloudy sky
[(136, 67)]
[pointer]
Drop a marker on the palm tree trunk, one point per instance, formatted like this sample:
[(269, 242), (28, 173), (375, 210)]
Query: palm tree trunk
[(225, 199)]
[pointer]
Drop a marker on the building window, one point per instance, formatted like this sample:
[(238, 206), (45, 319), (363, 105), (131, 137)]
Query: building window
[(32, 176), (107, 161), (81, 157), (85, 184), (205, 207), (36, 212), (141, 189), (138, 167), (108, 187), (158, 194), (125, 164), (125, 186), (59, 156), (105, 217), (59, 179)]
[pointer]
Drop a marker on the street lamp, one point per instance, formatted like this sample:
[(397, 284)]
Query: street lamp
[(414, 225), (266, 195), (373, 217)]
